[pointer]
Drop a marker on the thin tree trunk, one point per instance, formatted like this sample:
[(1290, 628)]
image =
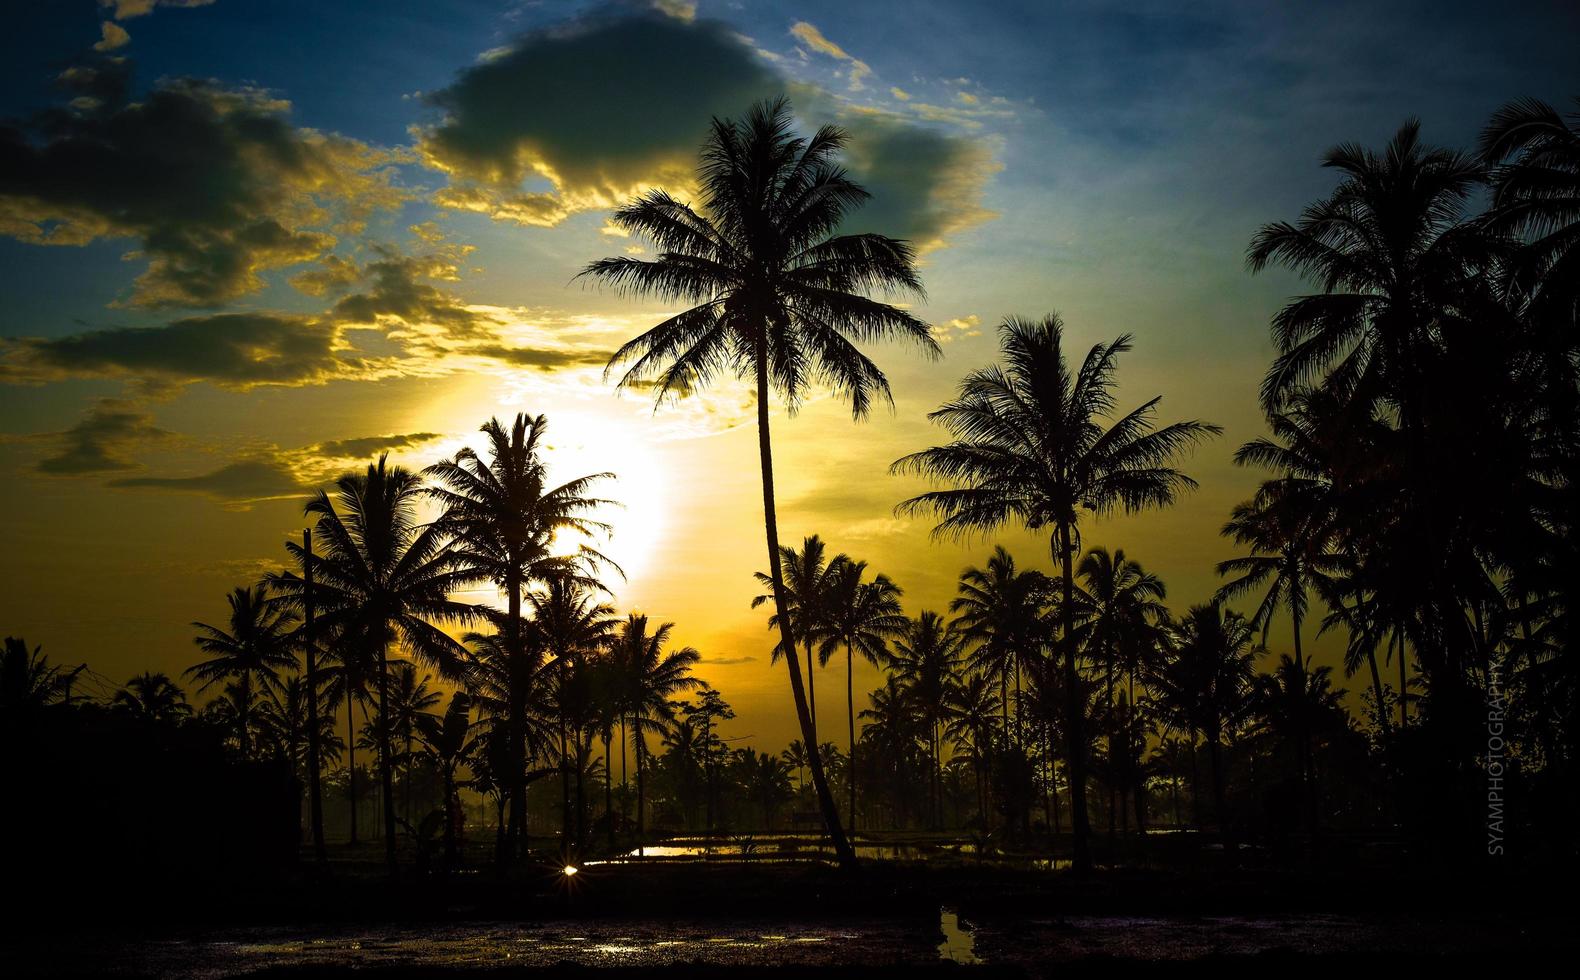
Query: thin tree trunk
[(850, 716), (1308, 790), (842, 848), (1377, 689), (641, 796), (315, 792), (1079, 826), (608, 783), (351, 771), (386, 775), (517, 725), (1402, 688)]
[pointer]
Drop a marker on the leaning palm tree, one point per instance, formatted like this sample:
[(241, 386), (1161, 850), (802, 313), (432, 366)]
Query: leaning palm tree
[(778, 297), (153, 698), (506, 517), (653, 677), (1034, 444), (254, 648), (861, 616), (385, 579), (804, 581)]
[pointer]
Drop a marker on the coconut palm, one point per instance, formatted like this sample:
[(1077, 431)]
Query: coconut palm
[(386, 579), (410, 698), (28, 681), (1390, 251), (507, 518), (805, 577), (779, 297), (1123, 601), (1001, 609), (1033, 444), (153, 698), (652, 678), (449, 743), (794, 756), (254, 647), (1534, 151), (925, 659), (971, 706), (860, 616)]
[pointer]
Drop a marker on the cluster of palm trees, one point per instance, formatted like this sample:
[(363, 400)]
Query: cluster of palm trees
[(368, 604)]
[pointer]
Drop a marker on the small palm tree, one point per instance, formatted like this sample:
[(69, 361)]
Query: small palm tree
[(861, 616), (971, 706), (804, 580), (1031, 445), (254, 648), (794, 756), (448, 742), (153, 698), (410, 698), (779, 297), (653, 677), (925, 659), (1002, 610)]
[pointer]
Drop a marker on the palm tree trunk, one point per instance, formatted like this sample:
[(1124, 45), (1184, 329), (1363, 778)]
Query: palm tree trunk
[(351, 771), (641, 796), (1377, 689), (315, 791), (386, 773), (608, 783), (565, 790), (850, 717), (842, 848), (1402, 688), (1302, 726), (517, 725), (1075, 745), (244, 715)]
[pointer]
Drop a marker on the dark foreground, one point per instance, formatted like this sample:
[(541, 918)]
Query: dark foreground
[(793, 920)]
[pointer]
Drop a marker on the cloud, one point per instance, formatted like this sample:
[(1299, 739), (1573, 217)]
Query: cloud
[(401, 287), (127, 9), (814, 39), (570, 118), (542, 358), (112, 36), (239, 482), (231, 350), (969, 325), (215, 184), (366, 446), (100, 442), (728, 661)]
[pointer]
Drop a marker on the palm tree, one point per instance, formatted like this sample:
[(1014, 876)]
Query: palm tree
[(28, 681), (153, 698), (925, 657), (384, 579), (410, 698), (1123, 601), (804, 579), (1390, 251), (1001, 609), (1534, 151), (779, 297), (794, 756), (506, 518), (970, 709), (448, 743), (1030, 445), (652, 678), (861, 616), (256, 646), (1290, 557), (1206, 683)]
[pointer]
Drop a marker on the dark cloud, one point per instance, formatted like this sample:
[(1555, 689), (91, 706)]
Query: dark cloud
[(234, 350), (216, 184), (245, 480), (401, 286), (728, 661), (597, 107), (581, 107), (371, 445), (101, 441), (539, 357)]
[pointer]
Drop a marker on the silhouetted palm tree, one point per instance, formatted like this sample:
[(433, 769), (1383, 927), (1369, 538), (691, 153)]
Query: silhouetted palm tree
[(384, 578), (653, 677), (1031, 446), (153, 698), (410, 698), (925, 658), (779, 295), (255, 647), (511, 690), (1534, 151), (1002, 610), (506, 517), (449, 743), (861, 616), (970, 709), (804, 580)]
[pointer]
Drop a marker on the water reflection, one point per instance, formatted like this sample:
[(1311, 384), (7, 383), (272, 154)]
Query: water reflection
[(959, 945)]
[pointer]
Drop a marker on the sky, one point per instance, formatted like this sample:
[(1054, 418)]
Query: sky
[(245, 245)]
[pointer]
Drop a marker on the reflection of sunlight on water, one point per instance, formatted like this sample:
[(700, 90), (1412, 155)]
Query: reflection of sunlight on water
[(959, 945)]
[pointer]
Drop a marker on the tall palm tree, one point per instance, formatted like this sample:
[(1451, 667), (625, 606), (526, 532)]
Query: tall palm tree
[(860, 616), (386, 579), (779, 297), (1031, 445), (506, 517), (653, 677), (254, 648), (1002, 610), (926, 656), (805, 577), (153, 698)]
